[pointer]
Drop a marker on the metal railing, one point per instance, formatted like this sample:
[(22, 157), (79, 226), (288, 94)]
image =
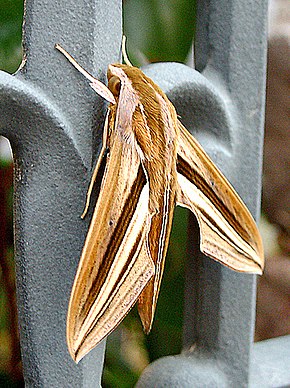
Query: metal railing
[(52, 120)]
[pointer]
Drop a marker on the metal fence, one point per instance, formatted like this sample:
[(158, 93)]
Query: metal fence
[(53, 122)]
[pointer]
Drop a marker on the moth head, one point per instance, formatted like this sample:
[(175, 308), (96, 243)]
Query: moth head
[(114, 84), (118, 77), (131, 78)]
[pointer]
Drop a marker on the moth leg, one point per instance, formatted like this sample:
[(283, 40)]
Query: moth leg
[(96, 170)]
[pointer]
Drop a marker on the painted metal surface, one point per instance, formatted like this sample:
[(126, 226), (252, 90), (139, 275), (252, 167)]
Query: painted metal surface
[(52, 117), (53, 121)]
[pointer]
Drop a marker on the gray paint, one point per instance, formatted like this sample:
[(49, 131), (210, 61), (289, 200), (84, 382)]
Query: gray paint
[(53, 121), (270, 363), (51, 116)]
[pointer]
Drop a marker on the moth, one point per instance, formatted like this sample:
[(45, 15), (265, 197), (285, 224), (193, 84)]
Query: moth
[(151, 163)]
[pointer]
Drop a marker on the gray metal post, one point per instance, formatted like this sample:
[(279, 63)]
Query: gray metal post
[(48, 112), (224, 107)]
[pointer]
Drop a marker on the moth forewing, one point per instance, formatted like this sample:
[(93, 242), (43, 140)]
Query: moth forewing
[(114, 266), (152, 164), (228, 231)]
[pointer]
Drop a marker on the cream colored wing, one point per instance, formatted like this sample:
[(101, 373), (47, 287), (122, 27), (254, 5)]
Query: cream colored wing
[(115, 265), (228, 232)]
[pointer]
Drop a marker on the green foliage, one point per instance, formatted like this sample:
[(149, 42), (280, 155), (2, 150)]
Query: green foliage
[(159, 30), (11, 14), (166, 335)]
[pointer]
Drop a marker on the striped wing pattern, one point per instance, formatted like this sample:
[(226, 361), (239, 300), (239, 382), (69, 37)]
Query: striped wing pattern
[(152, 163)]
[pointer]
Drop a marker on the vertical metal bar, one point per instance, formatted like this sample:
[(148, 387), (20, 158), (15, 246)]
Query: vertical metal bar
[(224, 107), (231, 53), (51, 117)]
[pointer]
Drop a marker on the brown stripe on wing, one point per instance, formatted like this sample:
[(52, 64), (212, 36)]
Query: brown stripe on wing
[(118, 303), (119, 225), (197, 180), (228, 232), (116, 238)]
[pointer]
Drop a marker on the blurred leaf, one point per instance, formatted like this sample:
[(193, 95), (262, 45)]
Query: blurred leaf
[(118, 373), (166, 335), (11, 14), (159, 30)]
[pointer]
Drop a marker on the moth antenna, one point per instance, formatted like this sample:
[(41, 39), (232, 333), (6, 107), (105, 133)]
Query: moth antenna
[(97, 85), (74, 63), (124, 53)]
